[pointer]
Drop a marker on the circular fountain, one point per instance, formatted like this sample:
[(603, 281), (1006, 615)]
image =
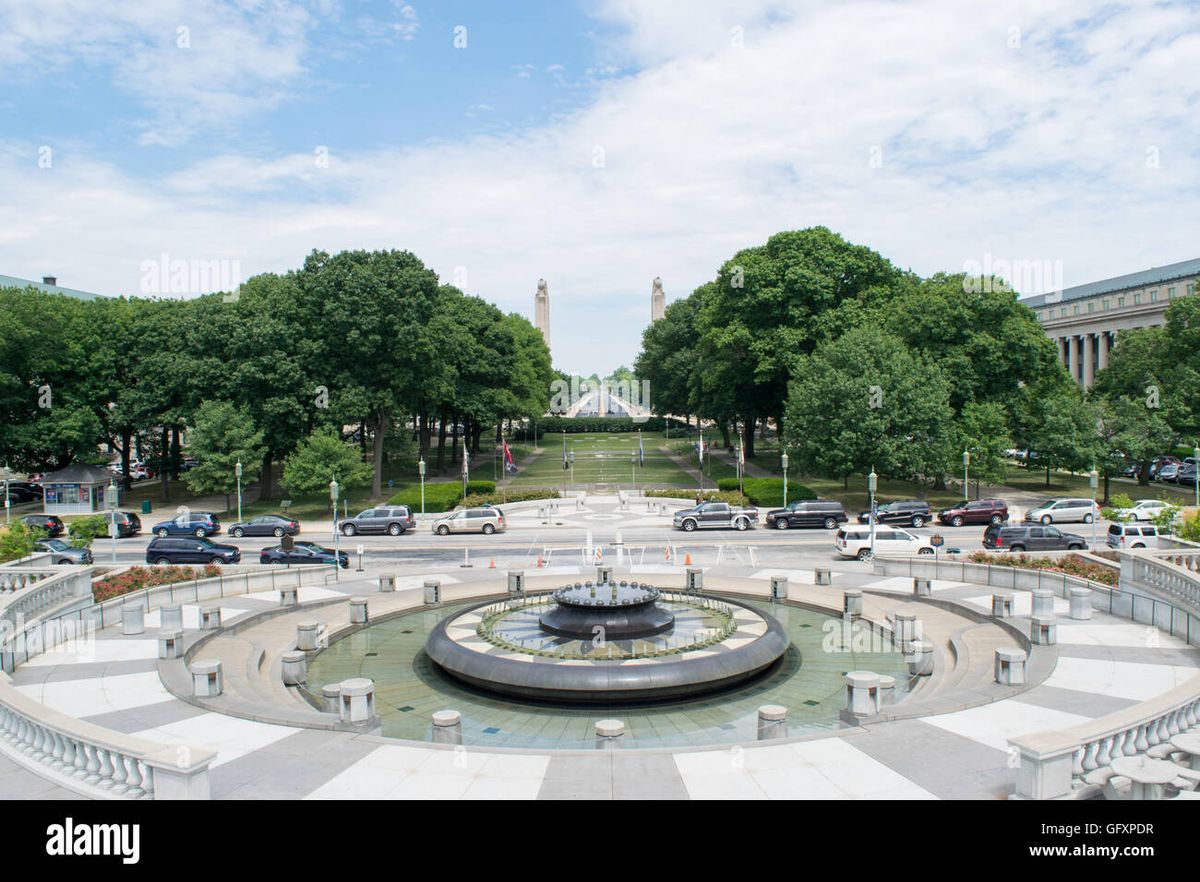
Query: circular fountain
[(610, 642)]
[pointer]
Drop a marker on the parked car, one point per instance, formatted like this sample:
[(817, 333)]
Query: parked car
[(902, 511), (713, 515), (976, 511), (471, 520), (395, 520), (27, 490), (265, 525), (856, 542), (128, 524), (303, 553), (1142, 510), (188, 463), (1158, 462), (200, 524), (190, 550), (1187, 472), (1133, 536), (51, 524), (1053, 511), (808, 513), (62, 553), (1169, 471), (1027, 537)]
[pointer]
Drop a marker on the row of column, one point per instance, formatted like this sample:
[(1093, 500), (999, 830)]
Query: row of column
[(1086, 354)]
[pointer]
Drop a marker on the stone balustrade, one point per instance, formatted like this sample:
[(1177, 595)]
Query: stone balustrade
[(1054, 765), (27, 592), (96, 761)]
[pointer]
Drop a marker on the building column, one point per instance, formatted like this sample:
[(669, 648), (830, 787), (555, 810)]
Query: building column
[(1073, 357), (1089, 360), (1103, 349), (1062, 349)]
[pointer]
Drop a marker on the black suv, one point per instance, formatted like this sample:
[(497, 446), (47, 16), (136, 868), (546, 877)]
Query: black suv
[(1030, 537), (915, 512), (128, 524), (190, 550), (808, 513)]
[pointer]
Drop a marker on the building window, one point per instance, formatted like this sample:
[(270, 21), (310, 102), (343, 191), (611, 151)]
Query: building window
[(1091, 306), (1076, 309), (1137, 298), (1105, 307), (1154, 295), (1170, 293), (1191, 288)]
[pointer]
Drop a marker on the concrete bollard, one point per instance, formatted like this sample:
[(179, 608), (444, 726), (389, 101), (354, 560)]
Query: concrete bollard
[(772, 722), (1081, 603), (447, 727), (779, 588), (331, 698), (357, 704), (1043, 602), (1002, 604), (433, 592), (1043, 630), (852, 603), (133, 619), (920, 658), (610, 734), (821, 576), (170, 644), (170, 618), (295, 667), (922, 587), (1010, 666), (906, 629), (289, 596), (358, 611), (307, 635), (387, 584), (862, 693), (210, 619), (693, 580), (516, 583), (207, 681), (887, 690)]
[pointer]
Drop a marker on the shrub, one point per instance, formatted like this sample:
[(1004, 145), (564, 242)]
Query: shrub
[(730, 496), (137, 578), (442, 496), (1071, 564), (84, 531), (768, 492), (16, 541), (476, 499)]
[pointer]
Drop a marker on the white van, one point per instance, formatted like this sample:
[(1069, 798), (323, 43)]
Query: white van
[(855, 541), (1133, 535)]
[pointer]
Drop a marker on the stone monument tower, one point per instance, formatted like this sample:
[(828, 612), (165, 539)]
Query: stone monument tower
[(658, 301), (541, 310)]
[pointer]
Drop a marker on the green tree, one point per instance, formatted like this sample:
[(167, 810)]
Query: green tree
[(985, 435), (222, 435), (318, 459)]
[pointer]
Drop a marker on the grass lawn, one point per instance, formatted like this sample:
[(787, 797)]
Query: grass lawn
[(602, 458)]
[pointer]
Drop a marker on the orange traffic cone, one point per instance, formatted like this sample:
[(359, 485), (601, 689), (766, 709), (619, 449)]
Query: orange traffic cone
[(687, 560)]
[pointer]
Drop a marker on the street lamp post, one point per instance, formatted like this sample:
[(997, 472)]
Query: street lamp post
[(337, 554), (421, 472), (238, 471), (633, 458), (1196, 456), (872, 484), (1093, 482), (784, 460), (112, 514), (966, 475)]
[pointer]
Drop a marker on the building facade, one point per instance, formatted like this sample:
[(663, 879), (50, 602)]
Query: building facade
[(1085, 321)]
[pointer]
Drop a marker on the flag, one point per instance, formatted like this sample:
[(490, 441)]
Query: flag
[(741, 469), (700, 448), (566, 465), (466, 457), (641, 452), (509, 465)]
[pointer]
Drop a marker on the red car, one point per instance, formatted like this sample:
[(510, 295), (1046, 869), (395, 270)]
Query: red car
[(978, 511)]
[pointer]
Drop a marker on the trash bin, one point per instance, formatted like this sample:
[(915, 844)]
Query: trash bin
[(146, 506)]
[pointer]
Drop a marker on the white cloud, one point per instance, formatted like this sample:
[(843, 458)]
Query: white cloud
[(1036, 152)]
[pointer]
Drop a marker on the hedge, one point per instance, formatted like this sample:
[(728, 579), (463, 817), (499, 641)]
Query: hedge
[(730, 496), (768, 492), (442, 496), (570, 425), (510, 496)]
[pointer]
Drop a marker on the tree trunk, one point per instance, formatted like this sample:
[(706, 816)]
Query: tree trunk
[(1047, 476), (454, 440), (476, 437), (424, 433), (441, 454), (748, 436), (381, 427), (163, 477), (265, 479), (362, 438), (1105, 499), (176, 456), (725, 435), (126, 455)]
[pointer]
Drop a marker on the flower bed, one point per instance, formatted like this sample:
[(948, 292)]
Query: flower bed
[(1071, 564), (137, 578)]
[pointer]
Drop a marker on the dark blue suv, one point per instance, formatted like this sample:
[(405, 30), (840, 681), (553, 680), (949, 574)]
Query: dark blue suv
[(191, 550), (200, 524)]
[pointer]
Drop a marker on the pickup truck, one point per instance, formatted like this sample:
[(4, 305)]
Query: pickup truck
[(715, 514)]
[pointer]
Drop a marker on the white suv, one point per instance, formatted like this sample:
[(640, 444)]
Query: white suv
[(1143, 510), (1064, 511), (856, 541)]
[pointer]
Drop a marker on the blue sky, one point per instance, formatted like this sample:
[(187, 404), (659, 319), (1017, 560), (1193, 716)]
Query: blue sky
[(597, 143)]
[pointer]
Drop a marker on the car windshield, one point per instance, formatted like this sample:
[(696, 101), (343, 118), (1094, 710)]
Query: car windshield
[(1046, 503), (57, 544)]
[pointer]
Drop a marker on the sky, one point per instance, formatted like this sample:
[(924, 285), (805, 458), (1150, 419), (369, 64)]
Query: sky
[(594, 143)]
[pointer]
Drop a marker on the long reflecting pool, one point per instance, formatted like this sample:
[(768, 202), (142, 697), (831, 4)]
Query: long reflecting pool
[(409, 688)]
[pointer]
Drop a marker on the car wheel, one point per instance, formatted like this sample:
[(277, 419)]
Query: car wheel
[(781, 523), (198, 532), (238, 532), (161, 534), (395, 530), (956, 521), (349, 530), (864, 554), (924, 551), (277, 532), (216, 560), (918, 521), (1047, 520), (163, 562), (688, 525), (741, 524), (443, 530), (488, 529), (830, 523), (1016, 548), (996, 520), (1075, 546), (1087, 518), (1139, 545)]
